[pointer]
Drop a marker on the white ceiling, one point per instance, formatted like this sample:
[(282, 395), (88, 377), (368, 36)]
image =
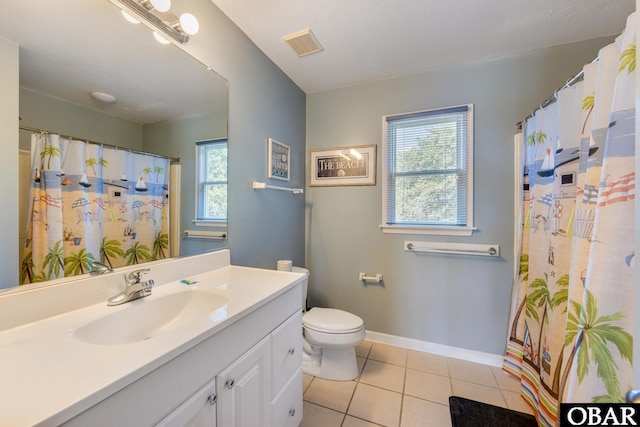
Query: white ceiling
[(367, 40)]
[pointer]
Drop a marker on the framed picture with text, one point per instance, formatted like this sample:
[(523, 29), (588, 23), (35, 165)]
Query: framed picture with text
[(278, 160), (342, 166)]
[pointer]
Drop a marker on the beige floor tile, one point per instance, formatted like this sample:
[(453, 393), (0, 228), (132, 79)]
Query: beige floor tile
[(516, 402), (317, 416), (428, 386), (306, 381), (331, 394), (388, 354), (350, 421), (505, 381), (383, 375), (360, 361), (479, 392), (471, 372), (427, 362), (376, 405), (362, 350), (421, 413)]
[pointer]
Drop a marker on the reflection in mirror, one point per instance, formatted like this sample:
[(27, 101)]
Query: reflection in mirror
[(165, 102)]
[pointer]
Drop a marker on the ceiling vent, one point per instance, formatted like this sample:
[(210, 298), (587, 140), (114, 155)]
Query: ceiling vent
[(303, 42)]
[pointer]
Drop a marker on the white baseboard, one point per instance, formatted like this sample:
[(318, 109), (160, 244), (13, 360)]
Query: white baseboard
[(444, 350)]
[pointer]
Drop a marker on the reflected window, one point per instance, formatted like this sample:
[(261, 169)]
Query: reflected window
[(211, 180)]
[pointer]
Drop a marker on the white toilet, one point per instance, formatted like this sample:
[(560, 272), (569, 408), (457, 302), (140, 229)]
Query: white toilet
[(330, 338)]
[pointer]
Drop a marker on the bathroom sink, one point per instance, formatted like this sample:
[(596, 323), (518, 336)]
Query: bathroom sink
[(149, 317)]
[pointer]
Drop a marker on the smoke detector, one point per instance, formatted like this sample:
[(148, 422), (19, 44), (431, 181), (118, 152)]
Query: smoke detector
[(303, 42)]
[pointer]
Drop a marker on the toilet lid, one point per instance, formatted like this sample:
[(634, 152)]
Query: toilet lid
[(331, 320)]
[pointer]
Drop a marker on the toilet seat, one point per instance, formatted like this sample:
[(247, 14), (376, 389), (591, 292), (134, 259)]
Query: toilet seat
[(332, 321)]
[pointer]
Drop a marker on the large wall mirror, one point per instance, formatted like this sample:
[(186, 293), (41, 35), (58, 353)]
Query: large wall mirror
[(165, 100)]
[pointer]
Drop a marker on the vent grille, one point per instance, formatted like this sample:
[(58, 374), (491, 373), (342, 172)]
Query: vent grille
[(303, 42)]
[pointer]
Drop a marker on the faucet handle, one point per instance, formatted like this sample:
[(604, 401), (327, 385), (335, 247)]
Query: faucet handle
[(134, 277)]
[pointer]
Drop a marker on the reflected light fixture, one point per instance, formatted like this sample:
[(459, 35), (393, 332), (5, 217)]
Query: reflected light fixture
[(107, 98), (157, 15), (160, 39), (129, 17)]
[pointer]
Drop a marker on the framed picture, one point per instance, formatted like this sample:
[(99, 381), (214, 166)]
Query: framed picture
[(342, 166), (278, 160)]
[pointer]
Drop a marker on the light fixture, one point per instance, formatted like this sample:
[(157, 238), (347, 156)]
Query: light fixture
[(161, 5), (189, 23), (103, 97), (157, 15)]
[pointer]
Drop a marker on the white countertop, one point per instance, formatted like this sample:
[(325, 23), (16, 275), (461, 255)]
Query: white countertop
[(48, 375)]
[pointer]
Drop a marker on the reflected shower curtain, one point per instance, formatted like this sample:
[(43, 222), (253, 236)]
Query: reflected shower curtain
[(571, 322), (85, 207)]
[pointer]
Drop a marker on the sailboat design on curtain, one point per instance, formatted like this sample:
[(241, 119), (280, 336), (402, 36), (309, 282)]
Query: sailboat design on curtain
[(548, 164)]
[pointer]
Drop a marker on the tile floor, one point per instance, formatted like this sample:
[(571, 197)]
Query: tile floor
[(401, 387)]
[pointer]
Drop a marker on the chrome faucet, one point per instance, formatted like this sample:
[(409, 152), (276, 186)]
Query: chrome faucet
[(135, 288), (99, 268)]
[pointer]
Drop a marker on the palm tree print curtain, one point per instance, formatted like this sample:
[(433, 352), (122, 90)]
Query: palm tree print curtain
[(570, 328), (92, 203)]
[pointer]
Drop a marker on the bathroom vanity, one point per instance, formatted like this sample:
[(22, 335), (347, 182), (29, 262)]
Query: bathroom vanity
[(213, 343)]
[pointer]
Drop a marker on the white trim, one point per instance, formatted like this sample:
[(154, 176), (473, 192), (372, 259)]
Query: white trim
[(209, 223), (443, 350), (435, 230)]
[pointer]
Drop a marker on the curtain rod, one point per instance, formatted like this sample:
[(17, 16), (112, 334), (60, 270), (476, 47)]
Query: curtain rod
[(130, 150), (553, 98)]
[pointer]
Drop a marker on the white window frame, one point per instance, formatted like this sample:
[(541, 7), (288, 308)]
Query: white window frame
[(430, 229), (199, 221)]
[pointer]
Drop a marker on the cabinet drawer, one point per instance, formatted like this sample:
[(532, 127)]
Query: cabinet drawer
[(286, 408), (286, 351)]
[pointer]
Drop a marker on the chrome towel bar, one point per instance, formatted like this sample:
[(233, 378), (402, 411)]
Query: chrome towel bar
[(453, 248)]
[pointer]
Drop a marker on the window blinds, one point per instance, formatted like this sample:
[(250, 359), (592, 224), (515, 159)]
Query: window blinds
[(428, 167)]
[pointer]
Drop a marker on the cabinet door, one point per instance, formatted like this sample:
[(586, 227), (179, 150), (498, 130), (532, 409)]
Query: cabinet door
[(286, 408), (286, 351), (244, 389), (198, 411)]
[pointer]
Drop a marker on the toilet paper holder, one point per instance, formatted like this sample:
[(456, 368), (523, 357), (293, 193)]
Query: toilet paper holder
[(376, 278)]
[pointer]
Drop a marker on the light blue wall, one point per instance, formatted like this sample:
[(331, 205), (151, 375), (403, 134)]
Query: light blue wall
[(264, 225), (458, 301), (177, 138), (52, 114)]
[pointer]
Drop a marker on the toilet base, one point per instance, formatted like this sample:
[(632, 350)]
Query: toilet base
[(331, 364)]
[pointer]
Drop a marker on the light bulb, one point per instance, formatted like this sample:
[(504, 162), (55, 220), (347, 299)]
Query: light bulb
[(161, 5), (189, 23), (129, 17), (160, 39)]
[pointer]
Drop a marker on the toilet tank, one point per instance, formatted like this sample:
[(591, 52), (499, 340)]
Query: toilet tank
[(305, 285)]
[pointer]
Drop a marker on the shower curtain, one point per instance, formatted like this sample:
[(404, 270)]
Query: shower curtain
[(84, 206), (571, 321)]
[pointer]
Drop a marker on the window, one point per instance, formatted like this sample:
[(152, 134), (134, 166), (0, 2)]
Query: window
[(428, 172), (211, 180)]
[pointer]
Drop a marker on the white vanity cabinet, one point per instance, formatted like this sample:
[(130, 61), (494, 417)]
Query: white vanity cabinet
[(264, 387), (247, 374)]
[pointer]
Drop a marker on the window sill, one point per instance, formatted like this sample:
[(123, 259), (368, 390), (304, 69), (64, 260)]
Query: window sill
[(210, 223), (428, 230)]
